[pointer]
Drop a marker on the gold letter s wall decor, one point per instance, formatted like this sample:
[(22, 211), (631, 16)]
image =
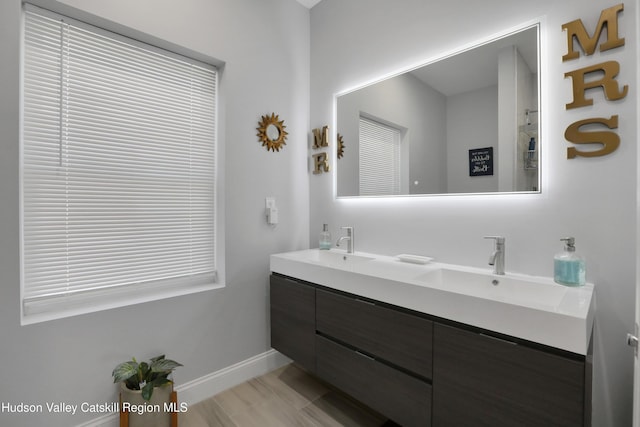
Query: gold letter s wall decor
[(609, 140)]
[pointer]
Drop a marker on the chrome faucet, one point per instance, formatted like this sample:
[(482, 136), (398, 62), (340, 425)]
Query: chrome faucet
[(497, 257), (349, 238)]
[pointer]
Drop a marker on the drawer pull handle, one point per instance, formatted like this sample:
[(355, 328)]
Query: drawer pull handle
[(365, 302), (498, 339), (364, 355)]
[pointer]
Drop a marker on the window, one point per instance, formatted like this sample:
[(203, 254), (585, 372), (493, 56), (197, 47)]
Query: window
[(118, 170), (379, 158)]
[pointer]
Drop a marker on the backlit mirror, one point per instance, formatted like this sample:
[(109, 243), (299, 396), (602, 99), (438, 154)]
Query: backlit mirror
[(467, 123)]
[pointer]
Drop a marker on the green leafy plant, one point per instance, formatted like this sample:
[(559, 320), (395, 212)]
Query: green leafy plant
[(145, 376)]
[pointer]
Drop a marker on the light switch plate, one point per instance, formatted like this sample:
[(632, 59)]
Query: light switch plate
[(270, 202)]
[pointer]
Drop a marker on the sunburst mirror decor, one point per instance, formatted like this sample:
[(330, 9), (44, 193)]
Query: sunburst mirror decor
[(340, 147), (271, 132)]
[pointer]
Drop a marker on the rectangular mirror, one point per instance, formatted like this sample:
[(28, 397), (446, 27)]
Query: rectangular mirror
[(466, 123)]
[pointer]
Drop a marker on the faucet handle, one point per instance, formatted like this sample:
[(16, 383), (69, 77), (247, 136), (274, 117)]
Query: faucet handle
[(499, 239), (349, 230)]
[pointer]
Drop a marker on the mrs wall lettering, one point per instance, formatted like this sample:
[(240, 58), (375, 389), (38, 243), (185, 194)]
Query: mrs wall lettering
[(320, 140), (601, 75)]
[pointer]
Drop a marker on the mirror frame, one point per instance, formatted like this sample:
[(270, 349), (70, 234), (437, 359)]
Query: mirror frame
[(338, 151), (263, 126)]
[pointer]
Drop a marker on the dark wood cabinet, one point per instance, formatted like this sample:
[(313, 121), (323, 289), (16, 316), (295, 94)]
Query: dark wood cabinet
[(399, 396), (293, 320), (401, 339), (481, 380), (419, 370)]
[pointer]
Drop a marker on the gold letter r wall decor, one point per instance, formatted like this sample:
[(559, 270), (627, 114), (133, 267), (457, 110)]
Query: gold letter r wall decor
[(320, 163)]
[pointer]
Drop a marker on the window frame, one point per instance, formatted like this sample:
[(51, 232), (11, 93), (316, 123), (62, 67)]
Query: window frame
[(123, 296)]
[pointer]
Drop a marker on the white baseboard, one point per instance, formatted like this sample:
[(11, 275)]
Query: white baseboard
[(209, 385), (204, 387)]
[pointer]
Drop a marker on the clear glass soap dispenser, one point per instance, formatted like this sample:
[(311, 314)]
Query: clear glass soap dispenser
[(325, 238), (568, 266)]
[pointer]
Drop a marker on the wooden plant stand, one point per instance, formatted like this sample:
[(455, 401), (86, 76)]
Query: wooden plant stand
[(124, 415)]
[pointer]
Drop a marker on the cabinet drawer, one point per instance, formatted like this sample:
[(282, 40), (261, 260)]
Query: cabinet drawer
[(401, 397), (293, 327), (484, 381), (399, 338)]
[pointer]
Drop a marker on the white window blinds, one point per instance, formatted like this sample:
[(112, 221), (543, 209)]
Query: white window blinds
[(379, 163), (118, 165)]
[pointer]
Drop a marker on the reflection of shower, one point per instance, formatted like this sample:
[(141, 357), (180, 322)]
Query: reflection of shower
[(530, 153)]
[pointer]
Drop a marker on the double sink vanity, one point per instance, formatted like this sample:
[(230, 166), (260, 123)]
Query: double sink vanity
[(436, 344)]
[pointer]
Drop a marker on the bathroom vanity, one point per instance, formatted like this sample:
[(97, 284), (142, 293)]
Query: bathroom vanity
[(413, 343)]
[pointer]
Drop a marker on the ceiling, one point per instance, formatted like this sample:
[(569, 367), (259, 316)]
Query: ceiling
[(478, 67), (308, 3)]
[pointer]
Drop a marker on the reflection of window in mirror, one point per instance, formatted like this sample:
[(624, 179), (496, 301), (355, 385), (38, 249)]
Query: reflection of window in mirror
[(379, 155)]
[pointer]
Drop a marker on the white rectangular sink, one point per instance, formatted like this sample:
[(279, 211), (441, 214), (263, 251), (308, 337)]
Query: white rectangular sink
[(337, 259), (526, 291), (528, 307)]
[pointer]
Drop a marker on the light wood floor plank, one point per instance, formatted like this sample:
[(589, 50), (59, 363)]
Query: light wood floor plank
[(205, 414), (294, 386), (288, 396), (336, 409)]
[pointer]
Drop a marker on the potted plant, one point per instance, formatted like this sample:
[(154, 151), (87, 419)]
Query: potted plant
[(145, 390)]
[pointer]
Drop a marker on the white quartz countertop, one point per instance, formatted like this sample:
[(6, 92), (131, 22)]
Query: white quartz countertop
[(528, 307)]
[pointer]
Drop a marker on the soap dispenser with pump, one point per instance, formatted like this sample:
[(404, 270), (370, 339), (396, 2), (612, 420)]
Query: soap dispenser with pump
[(568, 266), (324, 242)]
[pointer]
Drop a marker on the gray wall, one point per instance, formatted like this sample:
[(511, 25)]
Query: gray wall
[(265, 47), (405, 102), (591, 199), (472, 122)]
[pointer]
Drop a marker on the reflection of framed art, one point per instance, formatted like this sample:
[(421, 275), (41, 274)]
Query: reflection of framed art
[(481, 161)]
